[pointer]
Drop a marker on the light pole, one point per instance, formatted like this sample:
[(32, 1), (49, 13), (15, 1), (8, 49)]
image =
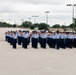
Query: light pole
[(34, 19), (72, 12), (14, 21), (9, 21), (29, 18), (22, 20), (47, 16)]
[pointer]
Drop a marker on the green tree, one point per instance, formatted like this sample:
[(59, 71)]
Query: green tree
[(0, 24), (71, 25), (32, 27), (75, 24), (4, 24), (14, 25), (43, 26), (56, 26), (63, 26), (35, 25), (26, 24)]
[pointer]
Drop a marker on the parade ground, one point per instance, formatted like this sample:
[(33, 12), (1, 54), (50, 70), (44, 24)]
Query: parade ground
[(35, 61)]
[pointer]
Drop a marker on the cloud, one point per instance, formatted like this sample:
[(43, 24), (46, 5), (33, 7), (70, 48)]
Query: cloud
[(52, 2), (23, 9)]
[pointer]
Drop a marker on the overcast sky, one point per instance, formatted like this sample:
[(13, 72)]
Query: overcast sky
[(15, 10)]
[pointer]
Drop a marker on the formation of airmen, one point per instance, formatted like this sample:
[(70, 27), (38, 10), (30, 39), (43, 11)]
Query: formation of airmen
[(52, 39)]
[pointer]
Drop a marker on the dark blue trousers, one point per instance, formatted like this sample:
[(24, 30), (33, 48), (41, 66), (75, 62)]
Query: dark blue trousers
[(74, 43), (63, 43), (19, 40), (57, 43), (53, 43), (14, 41), (70, 43), (50, 42), (25, 42), (35, 42), (43, 43)]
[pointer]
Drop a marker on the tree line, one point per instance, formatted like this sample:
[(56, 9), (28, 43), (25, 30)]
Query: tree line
[(39, 26)]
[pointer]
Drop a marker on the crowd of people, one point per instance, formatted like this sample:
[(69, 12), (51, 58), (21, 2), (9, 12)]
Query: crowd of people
[(55, 40)]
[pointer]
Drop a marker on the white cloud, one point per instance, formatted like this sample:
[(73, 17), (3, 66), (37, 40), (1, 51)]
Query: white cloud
[(52, 2), (23, 9)]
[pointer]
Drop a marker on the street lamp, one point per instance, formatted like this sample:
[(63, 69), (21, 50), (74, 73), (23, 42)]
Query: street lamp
[(47, 16), (22, 20), (9, 21), (29, 18), (34, 19), (72, 12), (14, 21)]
